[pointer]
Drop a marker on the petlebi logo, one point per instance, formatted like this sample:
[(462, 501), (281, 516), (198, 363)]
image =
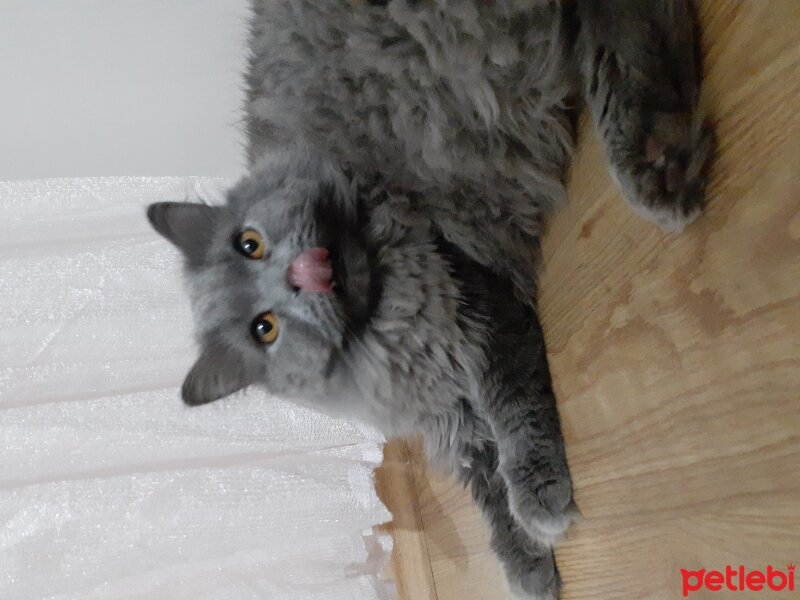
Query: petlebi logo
[(739, 579)]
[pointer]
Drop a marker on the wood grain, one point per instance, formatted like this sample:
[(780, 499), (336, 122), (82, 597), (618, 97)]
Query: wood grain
[(411, 565), (676, 358)]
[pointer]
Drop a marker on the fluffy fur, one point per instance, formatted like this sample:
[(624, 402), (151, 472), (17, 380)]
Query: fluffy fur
[(424, 143)]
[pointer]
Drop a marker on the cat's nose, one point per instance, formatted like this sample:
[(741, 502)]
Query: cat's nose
[(311, 271)]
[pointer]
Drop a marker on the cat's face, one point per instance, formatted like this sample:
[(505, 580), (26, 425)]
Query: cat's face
[(279, 277)]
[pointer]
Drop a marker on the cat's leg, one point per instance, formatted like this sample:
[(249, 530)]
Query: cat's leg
[(641, 74), (529, 565), (519, 404)]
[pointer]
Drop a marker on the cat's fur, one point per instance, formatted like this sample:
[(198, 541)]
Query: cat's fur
[(424, 143)]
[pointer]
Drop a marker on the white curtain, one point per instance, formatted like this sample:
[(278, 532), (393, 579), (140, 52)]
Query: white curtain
[(109, 487)]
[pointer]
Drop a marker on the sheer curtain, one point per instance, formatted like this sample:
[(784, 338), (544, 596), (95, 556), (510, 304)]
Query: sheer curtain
[(109, 487)]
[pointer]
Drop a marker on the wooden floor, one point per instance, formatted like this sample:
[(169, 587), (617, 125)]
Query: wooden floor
[(676, 360)]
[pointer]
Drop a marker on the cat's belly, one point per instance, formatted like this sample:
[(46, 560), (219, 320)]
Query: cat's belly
[(435, 100)]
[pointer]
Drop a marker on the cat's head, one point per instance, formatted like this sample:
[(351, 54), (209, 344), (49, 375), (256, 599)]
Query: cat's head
[(279, 276)]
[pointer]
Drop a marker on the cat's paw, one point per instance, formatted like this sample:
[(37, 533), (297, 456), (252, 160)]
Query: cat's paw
[(540, 582), (544, 510), (666, 183), (518, 592)]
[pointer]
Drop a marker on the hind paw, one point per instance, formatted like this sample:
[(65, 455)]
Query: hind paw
[(666, 183), (545, 511)]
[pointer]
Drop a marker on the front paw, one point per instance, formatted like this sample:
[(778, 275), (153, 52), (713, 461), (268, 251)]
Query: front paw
[(522, 591), (545, 508), (667, 178), (535, 577)]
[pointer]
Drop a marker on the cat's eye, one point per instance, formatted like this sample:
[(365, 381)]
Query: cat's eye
[(265, 328), (249, 243)]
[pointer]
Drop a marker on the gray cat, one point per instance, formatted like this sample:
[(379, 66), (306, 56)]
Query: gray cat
[(379, 261)]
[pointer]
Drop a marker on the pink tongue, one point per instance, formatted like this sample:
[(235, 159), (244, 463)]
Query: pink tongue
[(311, 271)]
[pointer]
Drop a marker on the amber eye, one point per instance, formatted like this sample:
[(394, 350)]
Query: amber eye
[(249, 243), (265, 328)]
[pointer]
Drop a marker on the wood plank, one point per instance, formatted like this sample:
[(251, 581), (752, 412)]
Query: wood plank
[(410, 566)]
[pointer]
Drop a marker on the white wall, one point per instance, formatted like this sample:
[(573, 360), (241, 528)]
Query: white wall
[(121, 87)]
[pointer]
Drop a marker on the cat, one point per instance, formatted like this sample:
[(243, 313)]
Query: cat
[(379, 260)]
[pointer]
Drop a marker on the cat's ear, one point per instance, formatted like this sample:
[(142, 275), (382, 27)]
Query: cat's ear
[(219, 372), (187, 225)]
